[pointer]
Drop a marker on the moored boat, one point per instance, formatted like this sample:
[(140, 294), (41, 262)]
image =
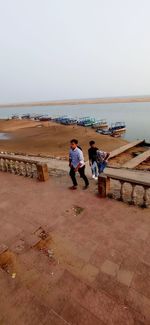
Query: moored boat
[(15, 117), (100, 124), (45, 118), (86, 121), (104, 131), (118, 127)]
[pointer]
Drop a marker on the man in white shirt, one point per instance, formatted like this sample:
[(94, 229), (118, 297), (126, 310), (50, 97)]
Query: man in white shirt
[(77, 164)]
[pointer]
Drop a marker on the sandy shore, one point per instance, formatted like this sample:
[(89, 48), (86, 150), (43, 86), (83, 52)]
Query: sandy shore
[(51, 139), (109, 100)]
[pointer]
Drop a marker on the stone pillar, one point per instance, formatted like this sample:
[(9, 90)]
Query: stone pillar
[(42, 170), (103, 185)]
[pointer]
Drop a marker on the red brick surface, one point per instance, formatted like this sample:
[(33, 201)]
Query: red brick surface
[(93, 268)]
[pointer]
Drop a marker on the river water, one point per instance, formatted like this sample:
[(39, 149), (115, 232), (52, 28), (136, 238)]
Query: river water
[(135, 115)]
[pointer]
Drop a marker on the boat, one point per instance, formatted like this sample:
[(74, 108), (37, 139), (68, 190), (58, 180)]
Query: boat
[(118, 127), (15, 117), (104, 131), (116, 134), (60, 119), (45, 118), (69, 121), (36, 117), (100, 124), (86, 121), (26, 117)]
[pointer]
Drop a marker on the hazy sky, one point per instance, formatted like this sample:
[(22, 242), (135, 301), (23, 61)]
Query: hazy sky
[(57, 49)]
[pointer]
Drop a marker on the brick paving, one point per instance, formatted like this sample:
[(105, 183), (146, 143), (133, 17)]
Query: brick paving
[(71, 257)]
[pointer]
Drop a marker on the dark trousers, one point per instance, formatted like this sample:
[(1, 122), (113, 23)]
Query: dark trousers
[(82, 175)]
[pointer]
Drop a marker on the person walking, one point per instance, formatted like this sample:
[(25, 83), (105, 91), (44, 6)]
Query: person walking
[(102, 160), (92, 159), (76, 164)]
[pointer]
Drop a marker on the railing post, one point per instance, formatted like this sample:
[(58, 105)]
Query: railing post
[(103, 185), (42, 170)]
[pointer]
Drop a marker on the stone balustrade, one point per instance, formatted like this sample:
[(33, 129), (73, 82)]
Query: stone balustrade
[(125, 177), (23, 167)]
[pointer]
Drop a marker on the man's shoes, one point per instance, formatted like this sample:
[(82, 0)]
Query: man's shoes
[(85, 187), (93, 176), (96, 178), (73, 188)]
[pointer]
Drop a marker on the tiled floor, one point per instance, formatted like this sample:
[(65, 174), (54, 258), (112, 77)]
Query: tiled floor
[(66, 265)]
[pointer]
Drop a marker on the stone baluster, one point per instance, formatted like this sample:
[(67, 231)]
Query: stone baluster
[(8, 161), (34, 170), (2, 168), (28, 170), (121, 190), (23, 169), (17, 167), (4, 165), (12, 166), (145, 200), (133, 194)]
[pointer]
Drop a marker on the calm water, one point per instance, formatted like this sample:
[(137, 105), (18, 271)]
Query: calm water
[(135, 115)]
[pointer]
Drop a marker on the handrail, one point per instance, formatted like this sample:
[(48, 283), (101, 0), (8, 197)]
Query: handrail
[(134, 178), (17, 158)]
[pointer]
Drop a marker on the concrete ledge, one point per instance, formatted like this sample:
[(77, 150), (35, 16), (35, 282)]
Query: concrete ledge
[(131, 176), (137, 160)]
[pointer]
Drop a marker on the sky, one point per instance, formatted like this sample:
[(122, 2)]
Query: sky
[(65, 49)]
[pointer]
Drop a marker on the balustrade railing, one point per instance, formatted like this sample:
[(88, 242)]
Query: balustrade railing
[(23, 167), (144, 198)]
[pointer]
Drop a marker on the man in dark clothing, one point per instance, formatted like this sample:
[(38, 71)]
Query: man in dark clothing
[(77, 164), (92, 159)]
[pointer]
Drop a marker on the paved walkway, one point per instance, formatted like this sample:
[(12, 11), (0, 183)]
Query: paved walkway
[(72, 258)]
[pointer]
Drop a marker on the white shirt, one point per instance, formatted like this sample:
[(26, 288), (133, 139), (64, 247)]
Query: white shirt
[(76, 157)]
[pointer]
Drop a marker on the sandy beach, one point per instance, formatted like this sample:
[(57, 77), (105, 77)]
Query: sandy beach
[(109, 100), (50, 139)]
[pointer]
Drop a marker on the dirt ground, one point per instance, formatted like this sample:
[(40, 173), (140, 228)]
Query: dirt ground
[(49, 138)]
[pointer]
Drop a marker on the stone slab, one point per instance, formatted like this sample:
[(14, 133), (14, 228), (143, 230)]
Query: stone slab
[(137, 160)]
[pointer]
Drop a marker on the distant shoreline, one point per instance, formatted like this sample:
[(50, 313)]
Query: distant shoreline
[(80, 102)]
